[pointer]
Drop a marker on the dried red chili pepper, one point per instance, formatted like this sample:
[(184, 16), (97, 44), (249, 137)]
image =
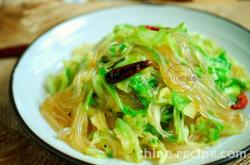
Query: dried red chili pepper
[(154, 28), (126, 71), (241, 103)]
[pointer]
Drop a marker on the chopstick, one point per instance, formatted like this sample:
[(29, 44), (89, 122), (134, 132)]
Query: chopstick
[(14, 51)]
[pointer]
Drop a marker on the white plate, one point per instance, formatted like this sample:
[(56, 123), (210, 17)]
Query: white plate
[(46, 54)]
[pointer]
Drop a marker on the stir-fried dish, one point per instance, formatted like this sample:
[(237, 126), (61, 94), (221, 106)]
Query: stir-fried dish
[(146, 88)]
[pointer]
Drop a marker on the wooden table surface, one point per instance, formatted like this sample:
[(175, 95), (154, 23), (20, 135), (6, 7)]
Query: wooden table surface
[(22, 24)]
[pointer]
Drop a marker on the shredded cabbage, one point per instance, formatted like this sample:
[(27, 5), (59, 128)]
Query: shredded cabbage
[(181, 102)]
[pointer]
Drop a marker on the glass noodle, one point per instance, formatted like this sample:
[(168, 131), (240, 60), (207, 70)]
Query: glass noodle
[(156, 109)]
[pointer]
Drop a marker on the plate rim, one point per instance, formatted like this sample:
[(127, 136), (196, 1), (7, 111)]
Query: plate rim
[(70, 158)]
